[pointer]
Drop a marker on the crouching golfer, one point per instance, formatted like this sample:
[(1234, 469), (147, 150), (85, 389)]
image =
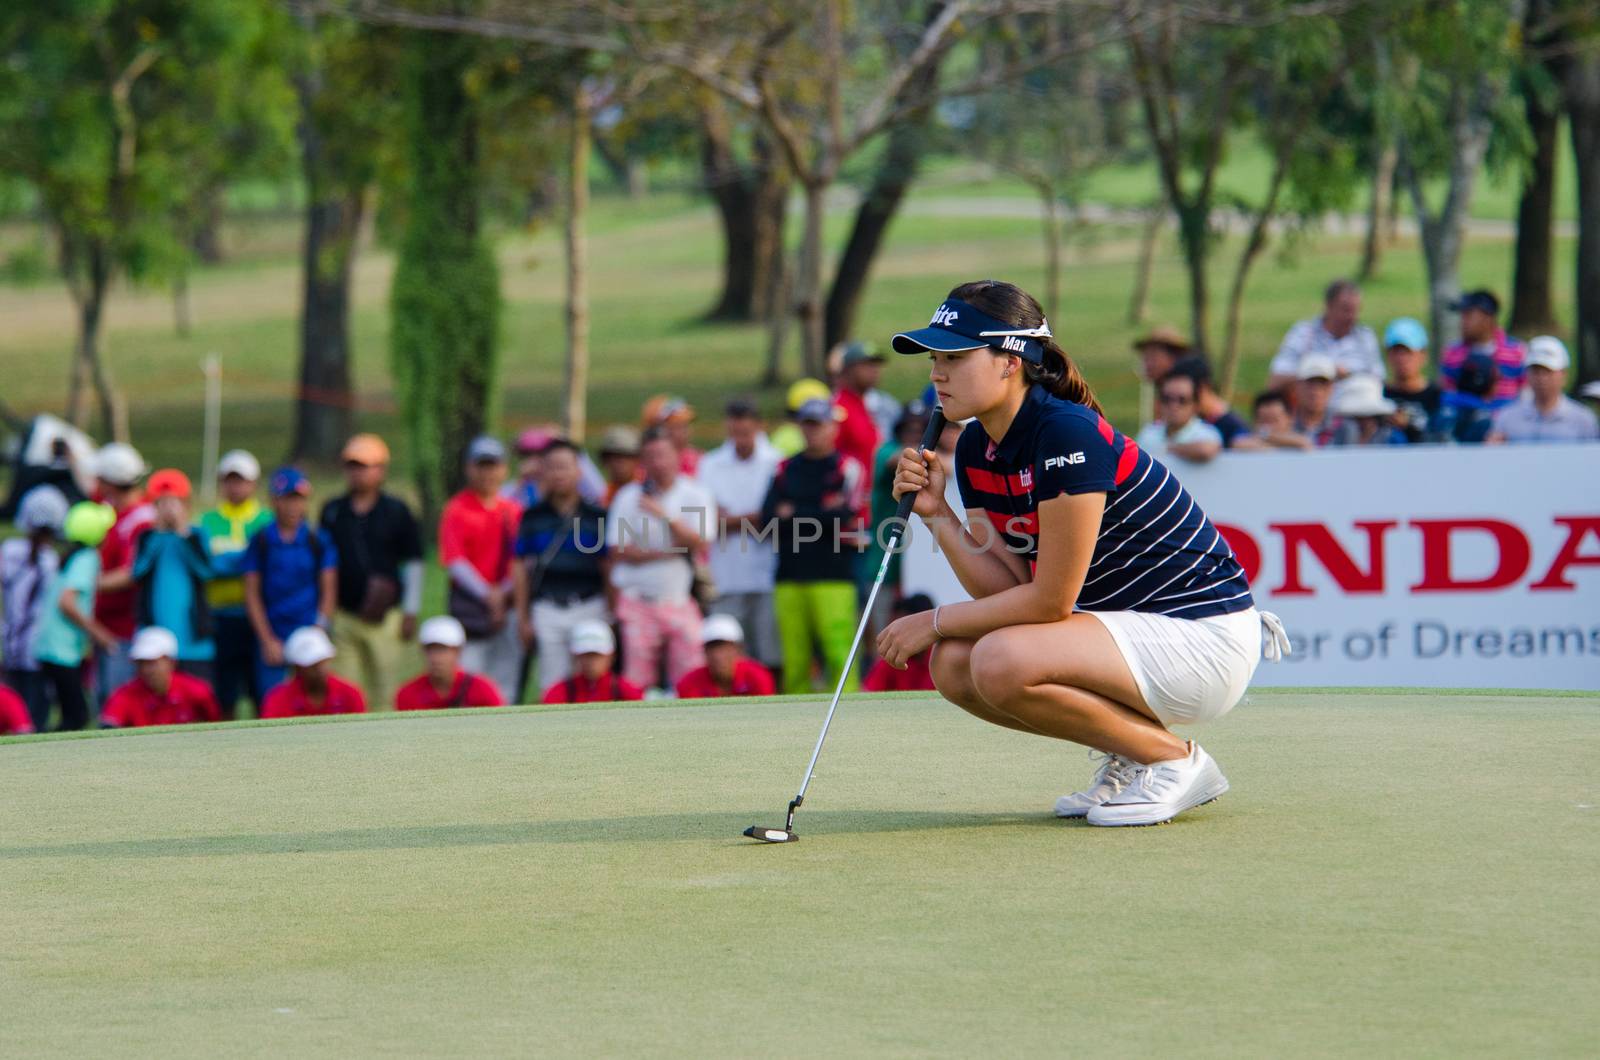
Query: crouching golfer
[(1106, 607)]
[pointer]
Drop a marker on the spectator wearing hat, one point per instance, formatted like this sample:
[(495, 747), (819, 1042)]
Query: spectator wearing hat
[(737, 474), (619, 456), (1209, 405), (818, 499), (787, 438), (1313, 400), (561, 574), (15, 718), (1180, 431), (728, 671), (860, 368), (654, 528), (1337, 335), (66, 619), (1545, 414), (290, 575), (312, 688), (477, 536), (591, 680), (228, 527), (118, 470), (171, 567), (1274, 425), (525, 490), (1364, 415), (916, 677), (1416, 397), (1158, 353), (673, 415), (28, 564), (380, 570), (443, 683), (1590, 392), (1485, 352), (160, 693)]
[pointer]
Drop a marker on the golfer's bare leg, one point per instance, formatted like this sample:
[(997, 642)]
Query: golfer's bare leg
[(951, 667)]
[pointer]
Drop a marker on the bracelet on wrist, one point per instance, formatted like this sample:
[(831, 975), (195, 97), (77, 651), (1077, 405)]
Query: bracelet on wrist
[(937, 632)]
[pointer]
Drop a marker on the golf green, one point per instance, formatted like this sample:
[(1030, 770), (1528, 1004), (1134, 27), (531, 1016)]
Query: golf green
[(1392, 874)]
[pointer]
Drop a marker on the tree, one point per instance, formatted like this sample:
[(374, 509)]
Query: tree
[(346, 94), (750, 188), (1575, 62), (1532, 306), (1451, 67), (97, 103), (445, 298)]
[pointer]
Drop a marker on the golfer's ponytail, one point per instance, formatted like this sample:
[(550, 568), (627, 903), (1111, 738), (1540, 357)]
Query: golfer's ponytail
[(1010, 303)]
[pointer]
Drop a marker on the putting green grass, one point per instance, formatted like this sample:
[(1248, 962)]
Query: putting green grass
[(1392, 874)]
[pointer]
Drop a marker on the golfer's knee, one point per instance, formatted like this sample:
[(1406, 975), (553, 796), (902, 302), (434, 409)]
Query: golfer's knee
[(951, 674), (999, 672)]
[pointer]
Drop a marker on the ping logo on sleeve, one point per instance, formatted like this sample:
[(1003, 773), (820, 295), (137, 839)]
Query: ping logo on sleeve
[(1063, 461)]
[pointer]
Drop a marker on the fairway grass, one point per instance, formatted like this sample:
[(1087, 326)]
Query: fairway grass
[(1392, 874)]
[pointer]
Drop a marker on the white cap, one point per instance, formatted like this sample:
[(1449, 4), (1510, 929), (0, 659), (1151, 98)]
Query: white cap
[(721, 627), (592, 636), (1547, 351), (238, 462), (1362, 395), (1317, 366), (307, 646), (119, 464), (42, 508), (152, 643), (1590, 390), (443, 631)]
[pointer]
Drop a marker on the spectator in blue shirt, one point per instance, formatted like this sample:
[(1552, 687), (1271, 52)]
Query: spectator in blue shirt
[(172, 563), (290, 575)]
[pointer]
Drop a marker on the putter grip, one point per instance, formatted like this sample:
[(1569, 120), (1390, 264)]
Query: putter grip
[(930, 438)]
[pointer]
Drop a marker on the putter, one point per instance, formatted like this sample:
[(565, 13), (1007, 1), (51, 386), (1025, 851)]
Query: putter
[(897, 529)]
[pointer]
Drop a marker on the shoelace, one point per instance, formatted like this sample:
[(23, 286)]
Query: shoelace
[(1277, 641), (1113, 768), (1153, 781)]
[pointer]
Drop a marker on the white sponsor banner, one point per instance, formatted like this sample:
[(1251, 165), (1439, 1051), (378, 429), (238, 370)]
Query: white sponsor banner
[(1427, 566)]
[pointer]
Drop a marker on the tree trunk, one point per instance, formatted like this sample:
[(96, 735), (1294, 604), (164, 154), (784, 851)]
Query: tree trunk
[(1139, 303), (1051, 204), (1442, 233), (808, 284), (1193, 225), (903, 154), (324, 406), (1228, 370), (769, 224), (1379, 206), (1531, 304), (206, 242), (182, 304), (778, 321), (733, 194), (1582, 89), (577, 379)]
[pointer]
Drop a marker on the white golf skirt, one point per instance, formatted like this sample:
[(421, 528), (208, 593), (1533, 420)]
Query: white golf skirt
[(1192, 670)]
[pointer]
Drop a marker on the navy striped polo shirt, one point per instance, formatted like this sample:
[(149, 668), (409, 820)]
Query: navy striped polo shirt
[(1156, 552)]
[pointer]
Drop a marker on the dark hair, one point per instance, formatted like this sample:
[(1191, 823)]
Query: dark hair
[(1339, 287), (914, 604), (1010, 303), (1267, 397), (560, 445), (1194, 384), (657, 433), (1194, 367)]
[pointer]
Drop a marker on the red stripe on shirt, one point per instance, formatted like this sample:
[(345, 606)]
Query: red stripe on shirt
[(1105, 429), (989, 482), (1130, 457), (1007, 523)]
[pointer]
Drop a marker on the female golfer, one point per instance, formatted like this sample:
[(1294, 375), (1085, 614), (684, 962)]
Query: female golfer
[(1106, 606)]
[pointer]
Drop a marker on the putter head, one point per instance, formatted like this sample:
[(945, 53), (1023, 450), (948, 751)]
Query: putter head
[(771, 835)]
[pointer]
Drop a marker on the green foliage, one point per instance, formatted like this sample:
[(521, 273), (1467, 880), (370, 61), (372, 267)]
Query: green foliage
[(445, 297)]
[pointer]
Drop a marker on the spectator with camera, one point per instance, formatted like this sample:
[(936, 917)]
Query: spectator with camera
[(1416, 397), (1486, 369), (171, 567)]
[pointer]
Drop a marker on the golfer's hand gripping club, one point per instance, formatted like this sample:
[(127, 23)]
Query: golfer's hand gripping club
[(897, 530)]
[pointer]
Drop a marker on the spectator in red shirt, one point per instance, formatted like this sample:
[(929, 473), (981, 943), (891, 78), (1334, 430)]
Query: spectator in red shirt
[(673, 415), (728, 671), (158, 694), (860, 368), (477, 534), (312, 687), (593, 648), (14, 717), (444, 683), (915, 677), (118, 470)]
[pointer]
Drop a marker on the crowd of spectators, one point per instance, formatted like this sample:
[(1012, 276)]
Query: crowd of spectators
[(658, 570), (1331, 384)]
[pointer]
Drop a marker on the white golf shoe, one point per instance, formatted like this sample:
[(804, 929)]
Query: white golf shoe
[(1158, 792), (1112, 776)]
